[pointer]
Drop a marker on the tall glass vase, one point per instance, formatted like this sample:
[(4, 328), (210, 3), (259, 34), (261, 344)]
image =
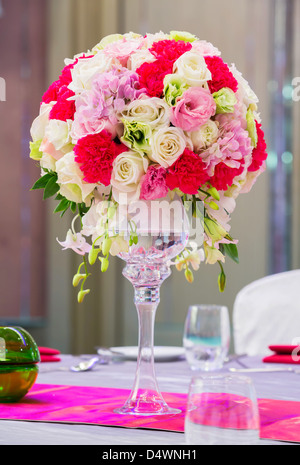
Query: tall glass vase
[(147, 266)]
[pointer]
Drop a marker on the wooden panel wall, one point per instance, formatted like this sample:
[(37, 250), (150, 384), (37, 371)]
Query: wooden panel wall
[(22, 220)]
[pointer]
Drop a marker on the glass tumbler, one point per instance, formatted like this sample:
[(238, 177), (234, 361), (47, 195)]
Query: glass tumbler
[(222, 410), (206, 336)]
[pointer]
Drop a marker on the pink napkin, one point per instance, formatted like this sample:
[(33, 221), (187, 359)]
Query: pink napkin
[(49, 355), (284, 354)]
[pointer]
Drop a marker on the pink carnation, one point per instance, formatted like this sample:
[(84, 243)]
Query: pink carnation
[(51, 93), (153, 183), (122, 49), (64, 108), (193, 109), (170, 50), (221, 75), (229, 155), (188, 173), (95, 154), (152, 76)]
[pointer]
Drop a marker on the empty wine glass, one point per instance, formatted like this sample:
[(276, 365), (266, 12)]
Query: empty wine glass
[(206, 336), (222, 410)]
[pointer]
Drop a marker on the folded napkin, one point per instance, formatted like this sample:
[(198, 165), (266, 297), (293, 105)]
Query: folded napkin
[(284, 354), (49, 355)]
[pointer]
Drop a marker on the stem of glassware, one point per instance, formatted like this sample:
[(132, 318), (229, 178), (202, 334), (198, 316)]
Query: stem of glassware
[(145, 398)]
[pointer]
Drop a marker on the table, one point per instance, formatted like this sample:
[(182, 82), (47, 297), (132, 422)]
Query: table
[(172, 377)]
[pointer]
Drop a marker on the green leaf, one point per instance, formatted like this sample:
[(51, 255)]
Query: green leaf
[(42, 182), (51, 188), (73, 207), (62, 206), (231, 251)]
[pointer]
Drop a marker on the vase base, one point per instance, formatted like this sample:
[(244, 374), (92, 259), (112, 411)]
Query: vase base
[(148, 407), (133, 411)]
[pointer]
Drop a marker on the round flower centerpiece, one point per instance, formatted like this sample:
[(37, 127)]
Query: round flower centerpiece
[(146, 118)]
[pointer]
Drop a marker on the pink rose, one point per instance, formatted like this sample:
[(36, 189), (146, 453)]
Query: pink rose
[(153, 183), (193, 109)]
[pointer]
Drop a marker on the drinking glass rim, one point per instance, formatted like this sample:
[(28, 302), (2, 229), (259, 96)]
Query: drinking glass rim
[(220, 378), (206, 307)]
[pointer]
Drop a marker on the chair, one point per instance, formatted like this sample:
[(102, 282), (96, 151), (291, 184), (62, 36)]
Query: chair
[(267, 312)]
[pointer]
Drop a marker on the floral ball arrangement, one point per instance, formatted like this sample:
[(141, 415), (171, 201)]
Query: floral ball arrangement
[(147, 117)]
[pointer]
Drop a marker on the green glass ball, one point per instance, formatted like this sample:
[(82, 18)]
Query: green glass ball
[(19, 355)]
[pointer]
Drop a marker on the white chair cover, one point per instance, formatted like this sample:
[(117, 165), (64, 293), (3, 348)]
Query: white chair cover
[(267, 312)]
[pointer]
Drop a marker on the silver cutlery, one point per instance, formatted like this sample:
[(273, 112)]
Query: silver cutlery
[(86, 365), (264, 370)]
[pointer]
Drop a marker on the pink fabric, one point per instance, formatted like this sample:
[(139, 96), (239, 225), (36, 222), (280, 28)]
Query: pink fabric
[(283, 354), (285, 359), (49, 355), (95, 405)]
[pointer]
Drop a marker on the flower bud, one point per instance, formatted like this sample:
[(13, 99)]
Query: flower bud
[(214, 230), (111, 212), (106, 246), (213, 205), (189, 275), (214, 193), (93, 254), (82, 294), (222, 281), (104, 264), (77, 278)]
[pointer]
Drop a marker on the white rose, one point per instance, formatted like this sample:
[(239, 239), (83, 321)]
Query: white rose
[(128, 169), (138, 58), (151, 38), (38, 127), (70, 179), (85, 70), (47, 162), (58, 133), (167, 144), (244, 90), (206, 135), (192, 67), (153, 111)]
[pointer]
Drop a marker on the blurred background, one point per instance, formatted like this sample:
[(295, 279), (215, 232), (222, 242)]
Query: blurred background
[(262, 37)]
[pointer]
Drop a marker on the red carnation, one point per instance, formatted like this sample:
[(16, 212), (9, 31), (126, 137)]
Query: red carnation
[(170, 50), (63, 109), (52, 93), (221, 75), (95, 153), (259, 154), (224, 175), (188, 173), (152, 76)]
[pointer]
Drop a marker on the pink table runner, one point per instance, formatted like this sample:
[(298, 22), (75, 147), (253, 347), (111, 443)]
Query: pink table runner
[(95, 405)]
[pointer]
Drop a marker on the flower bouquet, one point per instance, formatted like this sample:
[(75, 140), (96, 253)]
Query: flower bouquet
[(141, 119)]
